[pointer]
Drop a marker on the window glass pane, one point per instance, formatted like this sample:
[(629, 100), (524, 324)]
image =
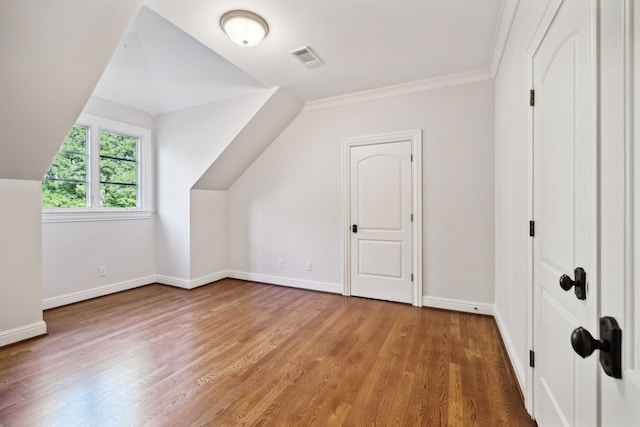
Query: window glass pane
[(120, 146), (68, 166), (118, 196), (118, 170), (64, 194), (76, 140), (65, 183)]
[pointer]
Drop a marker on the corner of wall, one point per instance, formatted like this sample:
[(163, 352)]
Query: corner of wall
[(518, 369), (22, 333), (20, 261), (501, 33), (458, 305)]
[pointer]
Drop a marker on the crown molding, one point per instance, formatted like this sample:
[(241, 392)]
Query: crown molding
[(402, 89), (500, 37)]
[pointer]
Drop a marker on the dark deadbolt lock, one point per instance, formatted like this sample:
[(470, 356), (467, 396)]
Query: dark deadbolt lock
[(609, 344), (354, 228), (579, 284)]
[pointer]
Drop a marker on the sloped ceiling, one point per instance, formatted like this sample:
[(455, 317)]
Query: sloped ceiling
[(364, 44), (52, 55), (263, 128), (176, 55), (159, 68)]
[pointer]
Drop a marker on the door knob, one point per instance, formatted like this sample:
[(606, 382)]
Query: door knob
[(579, 284), (609, 344), (585, 344), (354, 228)]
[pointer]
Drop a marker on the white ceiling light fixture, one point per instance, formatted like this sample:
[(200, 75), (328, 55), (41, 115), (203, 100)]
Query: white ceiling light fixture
[(244, 28)]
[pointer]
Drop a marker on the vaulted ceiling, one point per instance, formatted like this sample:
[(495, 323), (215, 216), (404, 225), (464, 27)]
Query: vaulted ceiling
[(52, 55), (159, 68), (176, 55)]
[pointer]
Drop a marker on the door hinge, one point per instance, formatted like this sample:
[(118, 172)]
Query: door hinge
[(411, 217), (532, 98), (412, 277), (532, 228), (412, 158), (532, 358)]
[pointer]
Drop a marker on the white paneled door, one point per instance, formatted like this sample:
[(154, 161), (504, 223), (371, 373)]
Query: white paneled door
[(380, 213), (563, 210), (620, 204), (586, 207)]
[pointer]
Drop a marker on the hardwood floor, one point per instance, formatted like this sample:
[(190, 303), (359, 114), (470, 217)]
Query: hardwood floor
[(238, 353)]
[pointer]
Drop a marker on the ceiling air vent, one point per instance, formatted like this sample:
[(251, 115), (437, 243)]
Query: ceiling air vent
[(307, 57)]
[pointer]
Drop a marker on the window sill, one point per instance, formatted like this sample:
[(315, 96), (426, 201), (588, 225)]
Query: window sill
[(84, 215)]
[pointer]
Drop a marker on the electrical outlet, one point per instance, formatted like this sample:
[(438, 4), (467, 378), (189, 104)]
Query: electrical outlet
[(280, 263), (102, 271), (308, 266)]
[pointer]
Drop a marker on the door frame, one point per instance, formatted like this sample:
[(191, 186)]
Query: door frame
[(593, 284), (415, 136)]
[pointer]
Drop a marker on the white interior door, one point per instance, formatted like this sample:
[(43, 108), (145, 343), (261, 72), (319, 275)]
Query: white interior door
[(563, 177), (380, 209), (620, 204)]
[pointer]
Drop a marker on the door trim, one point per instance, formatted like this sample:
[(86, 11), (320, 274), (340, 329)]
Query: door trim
[(415, 136), (593, 284), (632, 133)]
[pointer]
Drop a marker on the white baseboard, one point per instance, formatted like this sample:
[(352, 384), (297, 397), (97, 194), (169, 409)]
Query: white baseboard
[(191, 283), (96, 292), (130, 284), (511, 352), (205, 280), (173, 281), (458, 305), (287, 281), (22, 333)]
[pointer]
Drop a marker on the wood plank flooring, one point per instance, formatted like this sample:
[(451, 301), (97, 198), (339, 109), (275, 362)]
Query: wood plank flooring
[(236, 353)]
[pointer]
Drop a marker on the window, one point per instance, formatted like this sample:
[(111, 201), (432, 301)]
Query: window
[(118, 170), (102, 171), (65, 184)]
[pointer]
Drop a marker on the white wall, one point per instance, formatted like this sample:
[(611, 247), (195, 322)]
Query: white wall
[(208, 235), (20, 261), (120, 113), (288, 204), (72, 252), (188, 142), (511, 191), (43, 89)]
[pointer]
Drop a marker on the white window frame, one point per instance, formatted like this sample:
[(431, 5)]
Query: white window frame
[(94, 212)]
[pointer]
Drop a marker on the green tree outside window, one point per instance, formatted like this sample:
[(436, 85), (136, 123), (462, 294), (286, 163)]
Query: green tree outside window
[(66, 182), (118, 170)]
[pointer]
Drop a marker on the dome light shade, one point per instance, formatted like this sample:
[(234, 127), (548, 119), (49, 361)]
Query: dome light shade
[(244, 28)]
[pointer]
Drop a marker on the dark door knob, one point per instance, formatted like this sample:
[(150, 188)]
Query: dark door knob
[(609, 344), (354, 228), (579, 284), (585, 344)]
